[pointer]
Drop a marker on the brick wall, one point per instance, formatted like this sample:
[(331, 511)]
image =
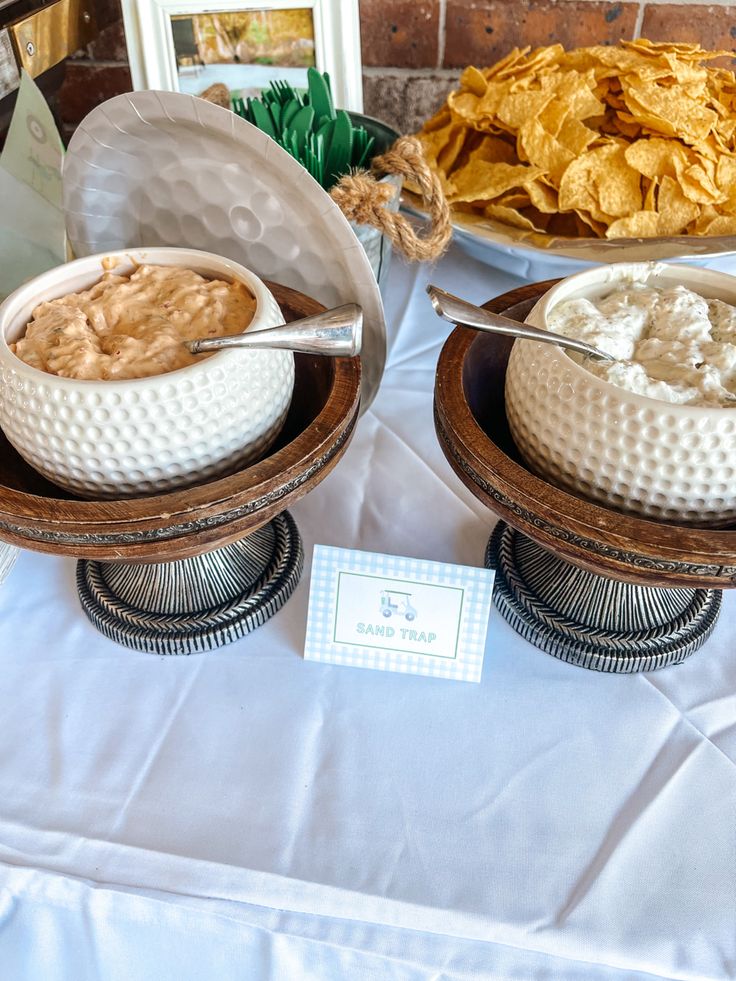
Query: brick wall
[(98, 72), (413, 49)]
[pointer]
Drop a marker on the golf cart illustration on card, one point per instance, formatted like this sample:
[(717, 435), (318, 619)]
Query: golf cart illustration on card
[(395, 603)]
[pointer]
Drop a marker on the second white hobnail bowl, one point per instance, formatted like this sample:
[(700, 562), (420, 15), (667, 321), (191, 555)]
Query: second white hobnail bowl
[(140, 436), (636, 454)]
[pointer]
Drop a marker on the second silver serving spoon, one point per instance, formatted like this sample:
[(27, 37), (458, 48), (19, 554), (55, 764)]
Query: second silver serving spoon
[(337, 333), (466, 314)]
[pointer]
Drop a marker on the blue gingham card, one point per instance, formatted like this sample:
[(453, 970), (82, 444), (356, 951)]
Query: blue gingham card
[(391, 613)]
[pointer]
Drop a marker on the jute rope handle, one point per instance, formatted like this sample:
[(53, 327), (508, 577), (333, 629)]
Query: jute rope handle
[(363, 199)]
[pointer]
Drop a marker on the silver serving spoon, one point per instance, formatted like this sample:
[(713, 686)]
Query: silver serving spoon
[(337, 333), (466, 314)]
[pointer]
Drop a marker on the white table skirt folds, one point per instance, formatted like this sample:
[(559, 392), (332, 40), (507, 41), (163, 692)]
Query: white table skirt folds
[(245, 814)]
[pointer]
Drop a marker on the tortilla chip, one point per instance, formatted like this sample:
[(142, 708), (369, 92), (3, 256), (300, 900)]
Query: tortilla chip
[(602, 183), (636, 139), (510, 216), (482, 181), (676, 211), (642, 224)]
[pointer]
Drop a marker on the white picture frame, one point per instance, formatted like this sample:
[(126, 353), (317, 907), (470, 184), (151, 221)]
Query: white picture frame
[(153, 60)]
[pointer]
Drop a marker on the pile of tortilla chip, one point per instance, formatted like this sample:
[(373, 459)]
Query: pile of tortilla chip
[(631, 141)]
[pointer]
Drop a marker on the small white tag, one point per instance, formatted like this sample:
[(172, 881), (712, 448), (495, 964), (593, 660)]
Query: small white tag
[(369, 610)]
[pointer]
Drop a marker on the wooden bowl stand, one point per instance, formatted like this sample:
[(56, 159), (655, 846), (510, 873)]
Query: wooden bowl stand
[(588, 584), (190, 570)]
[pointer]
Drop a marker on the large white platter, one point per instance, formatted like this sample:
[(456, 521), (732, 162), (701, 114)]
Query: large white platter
[(166, 168), (535, 256)]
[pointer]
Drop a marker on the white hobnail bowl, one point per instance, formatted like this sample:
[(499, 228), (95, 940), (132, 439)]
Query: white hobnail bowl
[(139, 436), (652, 458)]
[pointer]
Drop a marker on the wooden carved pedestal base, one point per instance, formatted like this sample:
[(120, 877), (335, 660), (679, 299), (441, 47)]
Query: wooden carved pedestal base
[(196, 567), (589, 584)]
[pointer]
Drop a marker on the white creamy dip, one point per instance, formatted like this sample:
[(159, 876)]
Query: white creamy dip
[(670, 344), (133, 326)]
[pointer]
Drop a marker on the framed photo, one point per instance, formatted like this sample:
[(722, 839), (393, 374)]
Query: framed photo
[(188, 45)]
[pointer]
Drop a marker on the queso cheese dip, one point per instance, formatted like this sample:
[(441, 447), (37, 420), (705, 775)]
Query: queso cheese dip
[(670, 344), (133, 326)]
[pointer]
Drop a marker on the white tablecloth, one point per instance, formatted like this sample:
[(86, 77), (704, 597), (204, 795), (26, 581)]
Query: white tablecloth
[(248, 815)]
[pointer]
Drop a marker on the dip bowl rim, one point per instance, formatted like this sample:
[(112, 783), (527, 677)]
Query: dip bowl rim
[(21, 296), (591, 283)]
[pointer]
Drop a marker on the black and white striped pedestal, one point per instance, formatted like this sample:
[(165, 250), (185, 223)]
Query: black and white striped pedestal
[(590, 620), (196, 604)]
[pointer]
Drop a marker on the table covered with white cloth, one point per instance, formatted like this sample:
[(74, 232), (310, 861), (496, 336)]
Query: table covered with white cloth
[(245, 814)]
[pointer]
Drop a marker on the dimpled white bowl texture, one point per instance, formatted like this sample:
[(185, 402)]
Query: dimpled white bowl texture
[(127, 438), (654, 459), (165, 167)]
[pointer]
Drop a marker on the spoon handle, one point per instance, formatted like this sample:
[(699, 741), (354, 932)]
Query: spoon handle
[(466, 314), (336, 333)]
